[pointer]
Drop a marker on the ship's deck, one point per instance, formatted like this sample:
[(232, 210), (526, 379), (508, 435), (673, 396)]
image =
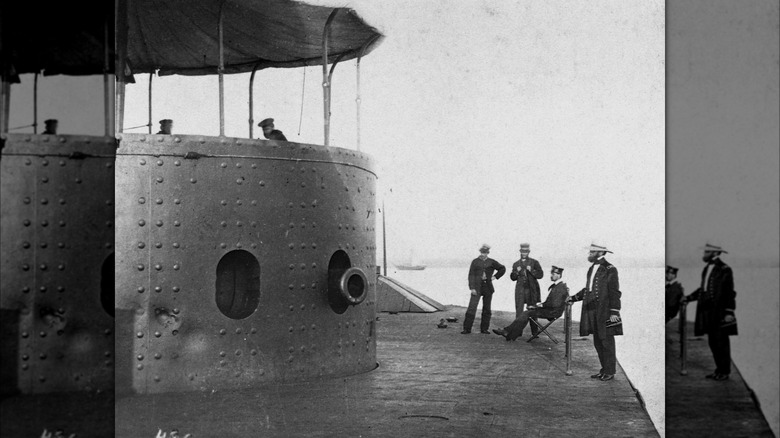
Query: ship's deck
[(696, 406), (430, 382)]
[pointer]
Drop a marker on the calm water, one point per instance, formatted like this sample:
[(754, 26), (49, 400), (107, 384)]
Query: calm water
[(640, 351), (756, 350)]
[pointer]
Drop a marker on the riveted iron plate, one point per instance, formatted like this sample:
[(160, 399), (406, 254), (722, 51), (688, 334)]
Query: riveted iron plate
[(183, 202), (57, 232)]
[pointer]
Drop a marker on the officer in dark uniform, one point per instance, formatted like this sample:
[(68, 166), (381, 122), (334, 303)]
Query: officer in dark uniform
[(674, 293), (715, 310), (481, 285), (51, 126), (166, 126), (269, 132), (552, 307), (526, 272), (601, 310)]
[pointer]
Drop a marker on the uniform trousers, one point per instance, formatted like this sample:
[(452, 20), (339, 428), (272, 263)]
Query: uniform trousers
[(523, 298), (721, 350), (471, 312), (605, 348)]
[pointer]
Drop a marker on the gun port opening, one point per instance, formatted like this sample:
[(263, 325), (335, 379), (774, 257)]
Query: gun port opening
[(238, 284)]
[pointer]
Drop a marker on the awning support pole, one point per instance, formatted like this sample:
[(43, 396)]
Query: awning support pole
[(357, 70), (35, 103), (221, 71), (567, 331), (120, 105), (684, 339), (357, 100), (149, 124), (120, 40), (108, 111), (384, 239), (251, 101), (5, 105), (325, 76)]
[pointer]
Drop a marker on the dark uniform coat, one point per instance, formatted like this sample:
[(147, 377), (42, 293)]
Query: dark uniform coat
[(488, 266), (716, 299), (533, 277), (277, 135), (555, 303), (605, 295), (674, 293)]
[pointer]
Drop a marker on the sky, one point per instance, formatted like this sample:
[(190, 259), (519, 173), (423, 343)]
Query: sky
[(495, 122), (722, 132)]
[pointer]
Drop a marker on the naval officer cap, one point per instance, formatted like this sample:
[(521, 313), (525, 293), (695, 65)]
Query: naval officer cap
[(50, 121), (485, 248), (714, 248), (166, 121), (525, 247), (671, 269), (557, 270), (266, 122)]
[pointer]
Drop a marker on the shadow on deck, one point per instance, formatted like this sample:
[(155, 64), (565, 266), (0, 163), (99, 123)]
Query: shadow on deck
[(696, 406), (430, 382)]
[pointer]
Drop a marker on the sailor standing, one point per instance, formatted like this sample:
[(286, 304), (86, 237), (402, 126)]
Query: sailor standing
[(481, 285), (715, 310), (601, 309), (526, 272)]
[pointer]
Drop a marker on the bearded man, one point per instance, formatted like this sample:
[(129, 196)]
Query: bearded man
[(715, 309), (601, 310)]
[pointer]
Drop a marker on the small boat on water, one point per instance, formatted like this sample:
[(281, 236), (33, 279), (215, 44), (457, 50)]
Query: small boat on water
[(410, 267)]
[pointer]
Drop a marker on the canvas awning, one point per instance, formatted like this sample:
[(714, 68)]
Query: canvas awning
[(174, 36), (181, 36), (56, 37)]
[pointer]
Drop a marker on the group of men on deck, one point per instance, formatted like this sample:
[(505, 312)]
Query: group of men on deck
[(600, 296)]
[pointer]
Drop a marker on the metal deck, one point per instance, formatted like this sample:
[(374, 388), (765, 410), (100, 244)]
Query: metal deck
[(696, 406), (430, 382)]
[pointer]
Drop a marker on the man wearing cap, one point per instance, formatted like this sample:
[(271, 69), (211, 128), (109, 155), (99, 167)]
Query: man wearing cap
[(526, 272), (715, 309), (674, 293), (51, 126), (481, 285), (166, 125), (601, 309), (269, 132), (552, 307)]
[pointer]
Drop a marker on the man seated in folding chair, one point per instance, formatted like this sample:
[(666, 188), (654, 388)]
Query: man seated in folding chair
[(551, 309)]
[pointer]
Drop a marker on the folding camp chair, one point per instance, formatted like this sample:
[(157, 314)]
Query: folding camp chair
[(543, 329)]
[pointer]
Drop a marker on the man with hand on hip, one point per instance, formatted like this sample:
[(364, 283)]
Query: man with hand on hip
[(481, 274)]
